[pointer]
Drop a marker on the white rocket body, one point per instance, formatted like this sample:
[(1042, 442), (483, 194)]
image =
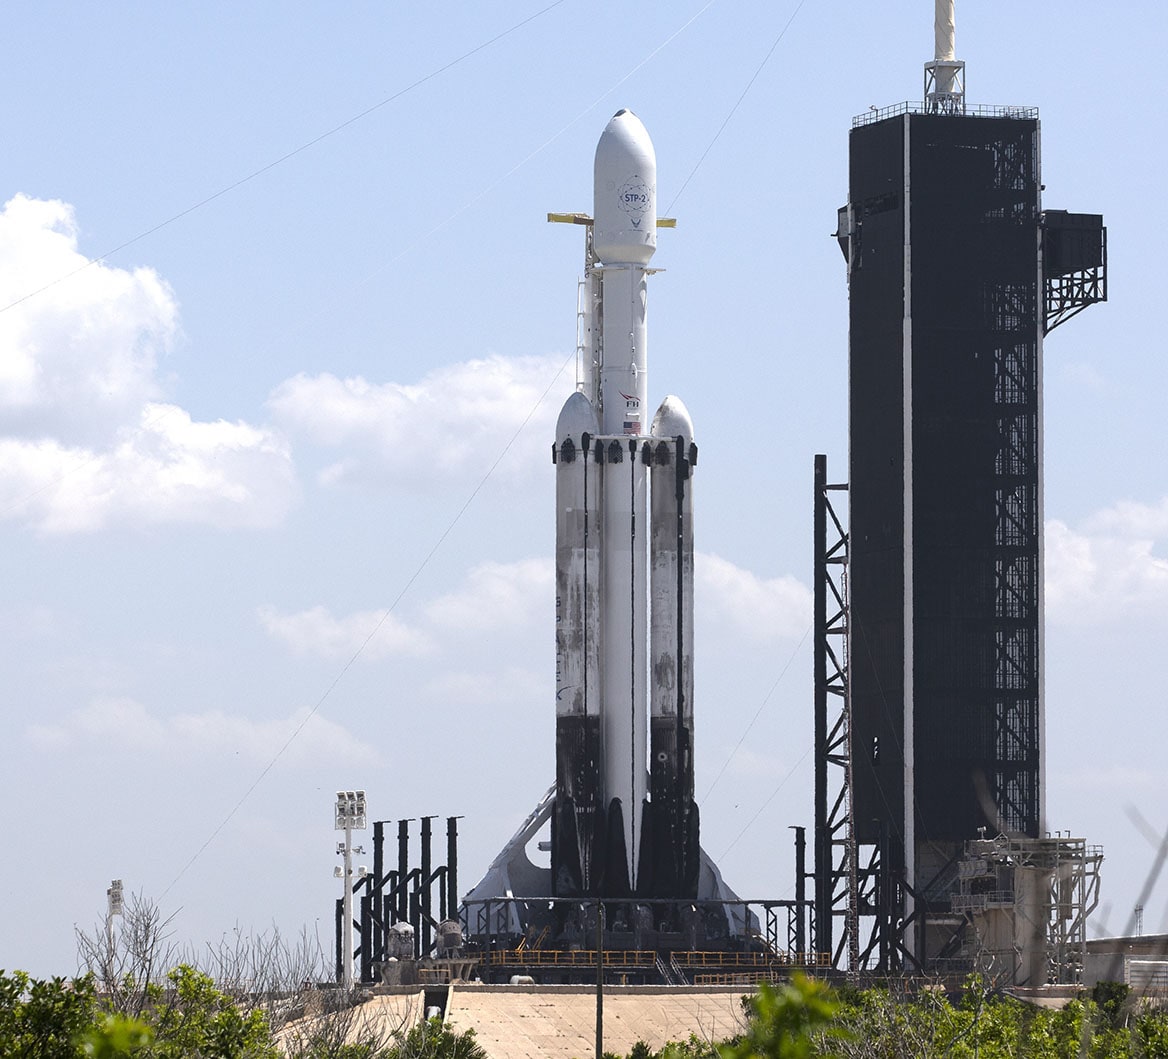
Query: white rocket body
[(624, 238), (580, 816), (603, 836)]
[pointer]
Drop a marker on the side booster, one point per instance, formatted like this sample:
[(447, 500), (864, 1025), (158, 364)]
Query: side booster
[(625, 821)]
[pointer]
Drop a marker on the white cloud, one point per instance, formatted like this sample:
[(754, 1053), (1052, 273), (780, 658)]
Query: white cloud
[(124, 725), (1111, 778), (123, 721), (1128, 518), (454, 422), (1085, 376), (750, 761), (756, 609), (479, 646), (1109, 568), (506, 686), (168, 469), (496, 594), (79, 356), (500, 605), (84, 439), (34, 621), (317, 632)]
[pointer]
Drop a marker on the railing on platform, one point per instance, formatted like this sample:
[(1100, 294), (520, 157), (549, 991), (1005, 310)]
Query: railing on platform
[(980, 902), (972, 110), (748, 980), (753, 959), (569, 958), (618, 958)]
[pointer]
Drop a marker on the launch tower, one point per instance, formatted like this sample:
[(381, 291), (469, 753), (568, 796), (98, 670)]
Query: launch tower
[(955, 272)]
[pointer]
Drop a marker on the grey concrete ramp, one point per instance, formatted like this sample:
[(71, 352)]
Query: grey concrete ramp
[(559, 1022), (377, 1019)]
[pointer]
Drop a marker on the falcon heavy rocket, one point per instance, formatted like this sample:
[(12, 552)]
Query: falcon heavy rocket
[(625, 821)]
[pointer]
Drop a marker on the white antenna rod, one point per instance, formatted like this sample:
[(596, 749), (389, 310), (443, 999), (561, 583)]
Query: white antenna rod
[(944, 32), (945, 75)]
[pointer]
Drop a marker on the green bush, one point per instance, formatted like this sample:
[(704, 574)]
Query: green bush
[(116, 1037), (196, 1019), (785, 1021), (44, 1019)]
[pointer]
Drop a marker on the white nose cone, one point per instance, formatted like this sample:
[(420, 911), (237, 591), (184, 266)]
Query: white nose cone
[(576, 417), (624, 191), (672, 420)]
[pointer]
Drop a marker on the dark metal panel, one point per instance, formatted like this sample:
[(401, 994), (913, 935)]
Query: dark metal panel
[(975, 295), (876, 478), (975, 305)]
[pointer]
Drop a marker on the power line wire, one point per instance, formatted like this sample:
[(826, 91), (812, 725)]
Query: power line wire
[(407, 249), (474, 493), (737, 104), (445, 533), (376, 628), (286, 156), (757, 713), (782, 783)]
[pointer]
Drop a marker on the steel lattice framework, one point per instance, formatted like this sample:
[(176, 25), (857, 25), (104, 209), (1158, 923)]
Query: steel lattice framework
[(859, 888)]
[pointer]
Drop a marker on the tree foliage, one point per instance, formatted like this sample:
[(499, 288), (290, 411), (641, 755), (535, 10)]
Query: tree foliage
[(785, 1021), (432, 1040), (116, 1037), (44, 1019), (694, 1047), (805, 1020), (140, 998), (427, 1040), (124, 964), (193, 1018), (67, 1019), (986, 1024)]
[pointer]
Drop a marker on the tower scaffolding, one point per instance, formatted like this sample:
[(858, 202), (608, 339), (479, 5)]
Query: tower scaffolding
[(1026, 901)]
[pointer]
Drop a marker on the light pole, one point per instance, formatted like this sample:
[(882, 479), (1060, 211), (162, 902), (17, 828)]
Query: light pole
[(114, 906), (350, 817)]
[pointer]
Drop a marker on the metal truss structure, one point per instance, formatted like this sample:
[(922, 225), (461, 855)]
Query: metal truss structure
[(1074, 265), (1011, 315), (1016, 676), (945, 87), (836, 869), (518, 935), (1027, 901), (424, 897), (860, 891)]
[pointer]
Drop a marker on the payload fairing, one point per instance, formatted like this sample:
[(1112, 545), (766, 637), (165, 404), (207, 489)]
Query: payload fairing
[(625, 821)]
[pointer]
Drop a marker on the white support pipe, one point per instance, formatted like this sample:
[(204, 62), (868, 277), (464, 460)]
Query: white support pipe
[(944, 32), (347, 912), (945, 65)]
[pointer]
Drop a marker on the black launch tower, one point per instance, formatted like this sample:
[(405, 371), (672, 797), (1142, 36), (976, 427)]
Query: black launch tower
[(956, 272)]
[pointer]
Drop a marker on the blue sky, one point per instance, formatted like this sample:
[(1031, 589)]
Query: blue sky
[(230, 446)]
